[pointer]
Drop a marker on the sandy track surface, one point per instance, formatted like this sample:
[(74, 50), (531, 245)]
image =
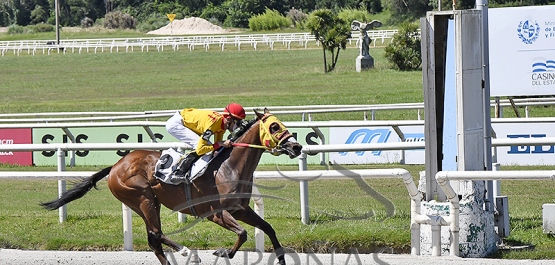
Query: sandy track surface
[(11, 256)]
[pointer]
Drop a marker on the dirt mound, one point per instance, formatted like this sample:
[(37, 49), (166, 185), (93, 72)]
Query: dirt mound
[(192, 25)]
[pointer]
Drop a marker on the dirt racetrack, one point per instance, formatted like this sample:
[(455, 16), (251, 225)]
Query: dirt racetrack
[(11, 256)]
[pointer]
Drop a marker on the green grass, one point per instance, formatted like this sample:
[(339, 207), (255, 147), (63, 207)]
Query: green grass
[(139, 81), (94, 222), (142, 81), (526, 221)]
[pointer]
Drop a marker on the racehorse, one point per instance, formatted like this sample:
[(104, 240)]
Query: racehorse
[(221, 194)]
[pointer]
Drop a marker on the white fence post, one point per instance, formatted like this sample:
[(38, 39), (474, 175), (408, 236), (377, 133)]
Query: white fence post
[(258, 209), (62, 211), (127, 228), (303, 186)]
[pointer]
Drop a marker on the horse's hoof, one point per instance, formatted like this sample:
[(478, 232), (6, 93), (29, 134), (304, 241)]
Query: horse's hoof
[(195, 259), (184, 252), (222, 253)]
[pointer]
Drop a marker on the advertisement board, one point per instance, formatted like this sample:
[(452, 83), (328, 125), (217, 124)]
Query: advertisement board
[(137, 135), (513, 155), (521, 53), (525, 155), (361, 135), (16, 136), (94, 135)]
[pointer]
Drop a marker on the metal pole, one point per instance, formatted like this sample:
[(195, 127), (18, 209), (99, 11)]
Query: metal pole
[(259, 209), (62, 211), (127, 228), (483, 6), (496, 183), (57, 12), (303, 186)]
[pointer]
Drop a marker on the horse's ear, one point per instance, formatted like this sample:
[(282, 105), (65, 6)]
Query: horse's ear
[(258, 114), (266, 111)]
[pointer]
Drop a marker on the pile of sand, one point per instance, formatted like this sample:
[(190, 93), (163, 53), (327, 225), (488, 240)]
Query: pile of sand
[(192, 25)]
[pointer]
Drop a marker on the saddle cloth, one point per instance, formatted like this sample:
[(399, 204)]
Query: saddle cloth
[(171, 159)]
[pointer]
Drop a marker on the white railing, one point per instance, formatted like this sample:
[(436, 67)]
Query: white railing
[(314, 125), (306, 112), (174, 43), (452, 220)]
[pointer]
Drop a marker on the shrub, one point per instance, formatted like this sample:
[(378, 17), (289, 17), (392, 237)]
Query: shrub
[(119, 20), (270, 20), (297, 17), (153, 22), (16, 29), (405, 51), (42, 27), (87, 22)]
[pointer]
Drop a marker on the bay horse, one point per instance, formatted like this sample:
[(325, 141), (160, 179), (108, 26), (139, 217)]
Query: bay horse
[(221, 194)]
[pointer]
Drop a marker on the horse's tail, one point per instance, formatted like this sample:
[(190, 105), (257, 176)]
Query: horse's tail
[(78, 191)]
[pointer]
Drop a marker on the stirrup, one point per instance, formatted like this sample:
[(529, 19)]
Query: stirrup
[(179, 180)]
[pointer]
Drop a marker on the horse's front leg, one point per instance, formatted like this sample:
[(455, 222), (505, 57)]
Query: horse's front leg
[(227, 221), (251, 218)]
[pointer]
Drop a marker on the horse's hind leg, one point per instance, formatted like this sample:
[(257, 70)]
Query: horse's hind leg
[(149, 210), (250, 217)]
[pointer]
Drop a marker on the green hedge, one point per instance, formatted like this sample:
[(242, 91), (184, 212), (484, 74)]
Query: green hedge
[(270, 20)]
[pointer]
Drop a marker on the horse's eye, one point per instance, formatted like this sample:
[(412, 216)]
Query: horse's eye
[(274, 127)]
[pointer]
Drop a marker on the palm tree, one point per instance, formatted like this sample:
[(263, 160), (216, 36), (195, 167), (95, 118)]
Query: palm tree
[(331, 32)]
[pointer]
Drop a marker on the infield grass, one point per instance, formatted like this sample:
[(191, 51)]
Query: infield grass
[(140, 81)]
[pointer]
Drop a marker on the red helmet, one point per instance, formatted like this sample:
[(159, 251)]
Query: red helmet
[(235, 110)]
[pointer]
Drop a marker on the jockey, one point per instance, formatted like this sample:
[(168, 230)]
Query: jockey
[(196, 126)]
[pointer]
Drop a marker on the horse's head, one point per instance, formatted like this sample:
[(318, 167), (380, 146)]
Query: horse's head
[(274, 135)]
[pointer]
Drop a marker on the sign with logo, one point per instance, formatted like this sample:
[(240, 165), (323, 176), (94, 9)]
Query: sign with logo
[(94, 135), (352, 135), (522, 57), (376, 135), (525, 155), (16, 136), (137, 135), (414, 134)]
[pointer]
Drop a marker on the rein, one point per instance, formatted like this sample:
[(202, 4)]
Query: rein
[(251, 146)]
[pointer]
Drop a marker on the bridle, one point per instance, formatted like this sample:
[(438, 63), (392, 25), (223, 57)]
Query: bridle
[(270, 136)]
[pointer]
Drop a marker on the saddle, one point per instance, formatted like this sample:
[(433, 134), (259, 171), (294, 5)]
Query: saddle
[(170, 161)]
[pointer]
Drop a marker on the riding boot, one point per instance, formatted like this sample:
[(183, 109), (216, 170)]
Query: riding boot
[(181, 171)]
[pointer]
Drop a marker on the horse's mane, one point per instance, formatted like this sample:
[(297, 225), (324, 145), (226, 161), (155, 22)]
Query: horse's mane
[(243, 127)]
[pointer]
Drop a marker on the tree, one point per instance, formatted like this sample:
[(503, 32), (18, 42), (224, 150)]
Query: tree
[(405, 51), (239, 12), (331, 32), (408, 10)]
